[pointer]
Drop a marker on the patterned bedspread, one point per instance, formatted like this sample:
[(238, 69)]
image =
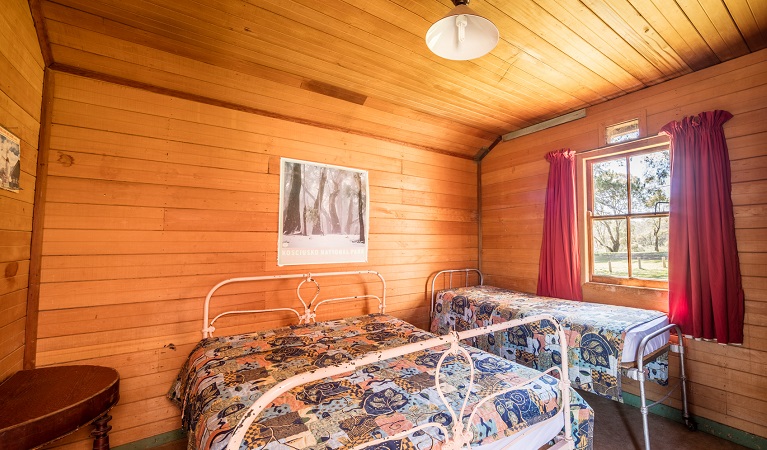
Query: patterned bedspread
[(595, 333), (225, 375)]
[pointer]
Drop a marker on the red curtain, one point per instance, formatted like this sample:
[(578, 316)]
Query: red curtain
[(560, 264), (705, 293)]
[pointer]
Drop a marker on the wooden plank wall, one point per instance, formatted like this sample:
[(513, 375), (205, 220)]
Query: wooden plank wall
[(200, 63), (728, 382), (21, 91), (152, 200)]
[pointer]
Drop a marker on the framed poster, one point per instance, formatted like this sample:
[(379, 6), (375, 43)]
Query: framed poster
[(323, 214), (10, 161)]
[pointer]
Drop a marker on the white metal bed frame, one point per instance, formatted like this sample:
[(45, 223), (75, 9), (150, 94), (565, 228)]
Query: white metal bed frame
[(310, 310), (459, 435), (634, 373)]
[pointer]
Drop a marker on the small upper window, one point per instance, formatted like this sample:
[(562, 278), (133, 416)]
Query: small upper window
[(622, 132), (628, 214)]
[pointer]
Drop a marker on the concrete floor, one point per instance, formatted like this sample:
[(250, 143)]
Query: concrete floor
[(619, 427)]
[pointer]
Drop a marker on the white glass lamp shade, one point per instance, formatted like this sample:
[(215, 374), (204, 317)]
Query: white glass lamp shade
[(462, 35)]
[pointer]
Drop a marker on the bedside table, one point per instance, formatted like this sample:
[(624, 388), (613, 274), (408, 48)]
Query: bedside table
[(41, 405)]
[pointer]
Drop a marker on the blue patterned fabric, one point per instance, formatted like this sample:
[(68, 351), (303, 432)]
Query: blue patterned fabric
[(595, 333), (225, 375)]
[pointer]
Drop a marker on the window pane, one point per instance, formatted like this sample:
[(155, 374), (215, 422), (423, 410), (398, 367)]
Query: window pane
[(649, 248), (622, 132), (610, 255), (610, 190), (650, 182)]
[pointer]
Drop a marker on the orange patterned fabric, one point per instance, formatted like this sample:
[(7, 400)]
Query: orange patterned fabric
[(225, 375)]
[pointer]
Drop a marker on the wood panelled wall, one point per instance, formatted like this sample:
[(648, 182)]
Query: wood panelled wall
[(728, 382), (201, 64), (152, 200), (21, 91)]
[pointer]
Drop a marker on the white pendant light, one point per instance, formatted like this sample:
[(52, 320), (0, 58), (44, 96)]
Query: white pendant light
[(462, 34)]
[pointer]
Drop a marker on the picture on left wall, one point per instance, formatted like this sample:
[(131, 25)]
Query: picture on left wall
[(323, 214), (10, 161)]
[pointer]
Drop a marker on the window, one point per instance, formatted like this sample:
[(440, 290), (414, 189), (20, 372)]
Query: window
[(627, 213), (622, 132)]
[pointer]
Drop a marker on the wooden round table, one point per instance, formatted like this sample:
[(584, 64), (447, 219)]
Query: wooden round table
[(41, 405)]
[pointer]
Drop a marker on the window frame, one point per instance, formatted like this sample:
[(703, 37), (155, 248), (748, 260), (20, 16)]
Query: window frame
[(584, 188)]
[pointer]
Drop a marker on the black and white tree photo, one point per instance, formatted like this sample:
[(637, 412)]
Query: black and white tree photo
[(10, 161), (323, 214)]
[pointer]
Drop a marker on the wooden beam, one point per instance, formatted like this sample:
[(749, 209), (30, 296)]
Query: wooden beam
[(485, 150), (575, 115), (479, 204), (235, 106), (38, 218), (38, 18)]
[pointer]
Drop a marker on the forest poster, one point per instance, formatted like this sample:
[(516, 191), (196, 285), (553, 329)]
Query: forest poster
[(323, 214), (10, 161)]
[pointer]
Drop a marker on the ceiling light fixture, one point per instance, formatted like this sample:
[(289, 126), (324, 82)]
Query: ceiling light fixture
[(462, 34)]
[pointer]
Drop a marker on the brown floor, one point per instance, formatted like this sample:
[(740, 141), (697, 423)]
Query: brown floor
[(175, 445), (619, 427)]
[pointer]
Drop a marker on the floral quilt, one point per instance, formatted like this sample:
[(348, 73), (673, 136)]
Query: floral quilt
[(225, 375), (595, 333)]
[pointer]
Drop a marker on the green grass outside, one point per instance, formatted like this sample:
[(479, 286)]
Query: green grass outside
[(652, 269)]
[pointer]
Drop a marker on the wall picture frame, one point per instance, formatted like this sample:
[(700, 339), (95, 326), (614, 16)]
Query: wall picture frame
[(10, 161), (324, 214)]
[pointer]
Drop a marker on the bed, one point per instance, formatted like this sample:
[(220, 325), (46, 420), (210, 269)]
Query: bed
[(367, 381), (605, 342)]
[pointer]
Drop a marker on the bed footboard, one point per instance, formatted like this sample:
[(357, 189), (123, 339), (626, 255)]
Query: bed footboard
[(458, 435), (638, 374)]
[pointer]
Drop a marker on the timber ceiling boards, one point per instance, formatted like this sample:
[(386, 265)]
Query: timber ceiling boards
[(363, 65)]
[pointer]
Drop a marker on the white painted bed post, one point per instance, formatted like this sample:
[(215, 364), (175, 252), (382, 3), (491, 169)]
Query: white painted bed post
[(461, 432)]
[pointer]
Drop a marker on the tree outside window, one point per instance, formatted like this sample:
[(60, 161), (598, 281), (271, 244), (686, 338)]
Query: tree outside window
[(628, 217)]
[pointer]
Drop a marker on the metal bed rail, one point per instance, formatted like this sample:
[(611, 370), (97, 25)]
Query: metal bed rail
[(308, 314), (459, 435), (466, 272), (638, 374)]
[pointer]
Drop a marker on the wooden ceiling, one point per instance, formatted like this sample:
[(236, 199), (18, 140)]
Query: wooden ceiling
[(362, 65)]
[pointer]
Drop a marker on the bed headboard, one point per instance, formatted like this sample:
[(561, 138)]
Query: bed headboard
[(309, 308), (447, 275)]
